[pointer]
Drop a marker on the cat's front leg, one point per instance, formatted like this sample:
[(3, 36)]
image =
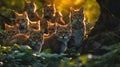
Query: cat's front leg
[(64, 48)]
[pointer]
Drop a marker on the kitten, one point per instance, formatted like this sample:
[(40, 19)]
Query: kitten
[(78, 26), (59, 18), (23, 21), (10, 30), (30, 8), (35, 39), (57, 42), (49, 11), (51, 27), (34, 25)]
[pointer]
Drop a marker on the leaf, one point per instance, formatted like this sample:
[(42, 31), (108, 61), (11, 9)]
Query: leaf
[(38, 65)]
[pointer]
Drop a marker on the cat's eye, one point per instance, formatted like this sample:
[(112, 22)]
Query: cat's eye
[(25, 19), (74, 15), (35, 27), (60, 31), (9, 32), (52, 29), (32, 6), (22, 19), (13, 32)]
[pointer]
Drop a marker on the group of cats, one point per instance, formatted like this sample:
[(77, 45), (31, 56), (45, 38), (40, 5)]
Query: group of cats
[(47, 32)]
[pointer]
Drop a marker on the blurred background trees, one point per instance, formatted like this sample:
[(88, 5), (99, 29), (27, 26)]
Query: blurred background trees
[(103, 25), (107, 28), (91, 8)]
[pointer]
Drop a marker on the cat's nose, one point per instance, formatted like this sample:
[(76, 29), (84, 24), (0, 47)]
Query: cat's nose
[(31, 9), (63, 36)]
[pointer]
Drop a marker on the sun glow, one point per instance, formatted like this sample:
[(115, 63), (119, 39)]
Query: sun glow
[(64, 5), (77, 2), (92, 9)]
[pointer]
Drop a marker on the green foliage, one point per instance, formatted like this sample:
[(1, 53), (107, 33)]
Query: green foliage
[(110, 59), (23, 56), (17, 56)]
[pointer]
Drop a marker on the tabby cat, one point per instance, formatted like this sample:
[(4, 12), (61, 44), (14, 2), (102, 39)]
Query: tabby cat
[(49, 11), (10, 30), (78, 26), (34, 25), (57, 42), (30, 8), (23, 21), (35, 39)]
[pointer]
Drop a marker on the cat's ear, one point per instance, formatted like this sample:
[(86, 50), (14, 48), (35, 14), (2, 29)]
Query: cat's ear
[(81, 11), (25, 14), (16, 13), (52, 3), (17, 25), (71, 9), (6, 25)]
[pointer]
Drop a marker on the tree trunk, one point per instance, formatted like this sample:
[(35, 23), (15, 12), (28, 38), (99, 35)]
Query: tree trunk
[(106, 30)]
